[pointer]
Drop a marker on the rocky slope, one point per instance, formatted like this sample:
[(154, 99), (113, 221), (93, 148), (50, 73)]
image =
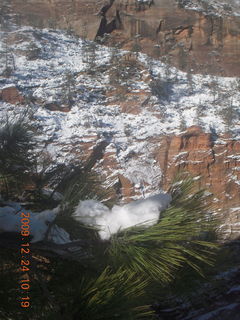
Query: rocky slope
[(132, 112), (202, 36), (141, 119)]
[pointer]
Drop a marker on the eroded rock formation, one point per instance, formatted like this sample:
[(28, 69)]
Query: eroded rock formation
[(216, 163), (191, 40)]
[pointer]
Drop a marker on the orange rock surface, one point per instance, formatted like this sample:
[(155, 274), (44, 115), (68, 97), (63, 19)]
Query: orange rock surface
[(11, 95), (189, 39)]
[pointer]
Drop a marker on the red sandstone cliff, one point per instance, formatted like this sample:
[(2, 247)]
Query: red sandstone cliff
[(215, 164), (189, 39)]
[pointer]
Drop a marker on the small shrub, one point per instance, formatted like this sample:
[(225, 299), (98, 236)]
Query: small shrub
[(161, 89), (7, 72), (33, 52)]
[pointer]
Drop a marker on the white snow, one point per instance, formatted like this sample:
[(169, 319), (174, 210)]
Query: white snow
[(147, 212), (90, 212), (215, 7), (235, 209), (10, 221)]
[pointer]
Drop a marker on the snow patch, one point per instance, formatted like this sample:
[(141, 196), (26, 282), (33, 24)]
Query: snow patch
[(10, 221), (147, 211)]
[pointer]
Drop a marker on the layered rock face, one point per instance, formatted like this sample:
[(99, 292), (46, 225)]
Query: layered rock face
[(214, 164), (191, 40), (217, 163)]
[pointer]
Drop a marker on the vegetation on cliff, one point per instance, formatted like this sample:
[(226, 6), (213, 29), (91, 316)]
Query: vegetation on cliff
[(113, 278)]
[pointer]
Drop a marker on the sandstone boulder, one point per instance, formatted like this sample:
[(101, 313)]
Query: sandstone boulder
[(11, 95)]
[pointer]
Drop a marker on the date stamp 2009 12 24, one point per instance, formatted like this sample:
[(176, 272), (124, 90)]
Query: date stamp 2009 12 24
[(25, 260)]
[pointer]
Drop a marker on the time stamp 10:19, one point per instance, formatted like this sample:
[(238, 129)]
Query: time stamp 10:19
[(25, 260)]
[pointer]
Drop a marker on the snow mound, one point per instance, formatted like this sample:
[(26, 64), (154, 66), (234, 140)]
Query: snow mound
[(146, 211), (10, 221)]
